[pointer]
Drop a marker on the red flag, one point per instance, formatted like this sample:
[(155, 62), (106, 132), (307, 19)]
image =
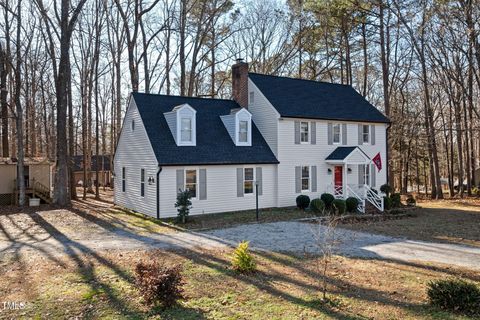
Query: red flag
[(377, 160)]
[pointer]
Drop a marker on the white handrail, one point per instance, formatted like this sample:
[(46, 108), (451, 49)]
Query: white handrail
[(374, 198), (361, 202)]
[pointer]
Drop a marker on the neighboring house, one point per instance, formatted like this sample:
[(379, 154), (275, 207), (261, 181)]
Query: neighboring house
[(104, 172), (477, 177), (289, 136), (38, 176)]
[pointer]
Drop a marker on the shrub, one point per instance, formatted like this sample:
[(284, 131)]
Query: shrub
[(159, 284), (476, 191), (396, 200), (303, 201), (455, 295), (317, 205), (242, 259), (339, 206), (352, 204), (387, 203), (328, 199), (183, 205), (411, 201), (386, 188)]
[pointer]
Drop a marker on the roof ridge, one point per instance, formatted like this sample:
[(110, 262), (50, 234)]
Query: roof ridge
[(300, 79), (183, 97)]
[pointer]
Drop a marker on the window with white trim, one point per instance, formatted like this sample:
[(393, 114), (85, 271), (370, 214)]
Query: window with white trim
[(248, 180), (304, 129), (142, 182), (337, 133), (191, 182), (124, 182), (186, 130), (366, 134), (305, 178), (243, 131)]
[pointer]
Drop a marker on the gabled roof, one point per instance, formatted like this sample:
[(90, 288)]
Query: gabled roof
[(342, 154), (214, 145), (297, 98), (103, 162)]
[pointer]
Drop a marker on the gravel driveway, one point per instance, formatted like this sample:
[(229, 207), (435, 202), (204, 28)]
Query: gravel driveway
[(297, 237)]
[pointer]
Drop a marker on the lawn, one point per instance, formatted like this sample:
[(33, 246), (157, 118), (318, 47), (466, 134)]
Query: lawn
[(447, 221), (285, 287)]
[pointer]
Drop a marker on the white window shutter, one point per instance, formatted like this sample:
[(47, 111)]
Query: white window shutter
[(180, 181), (330, 134), (344, 134), (314, 179), (298, 179), (360, 134), (313, 130), (361, 174), (240, 182), (373, 178), (372, 134)]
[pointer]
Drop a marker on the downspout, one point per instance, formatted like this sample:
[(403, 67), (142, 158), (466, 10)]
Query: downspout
[(158, 190)]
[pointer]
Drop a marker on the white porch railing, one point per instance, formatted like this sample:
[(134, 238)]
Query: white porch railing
[(361, 202), (374, 198)]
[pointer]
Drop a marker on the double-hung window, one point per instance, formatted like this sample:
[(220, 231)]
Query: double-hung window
[(142, 182), (243, 131), (305, 178), (304, 132), (366, 134), (123, 179), (191, 182), (186, 130), (248, 181), (337, 133), (367, 175)]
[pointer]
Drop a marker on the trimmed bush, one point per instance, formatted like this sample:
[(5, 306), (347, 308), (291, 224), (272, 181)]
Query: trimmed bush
[(411, 201), (387, 203), (386, 188), (328, 199), (303, 201), (339, 206), (242, 259), (159, 284), (455, 295), (352, 204), (396, 200), (183, 205), (317, 205)]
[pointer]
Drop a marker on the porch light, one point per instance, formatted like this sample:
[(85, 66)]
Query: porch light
[(349, 170), (151, 180), (329, 171)]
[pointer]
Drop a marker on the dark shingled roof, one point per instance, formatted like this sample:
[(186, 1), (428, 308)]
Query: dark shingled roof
[(340, 153), (214, 144), (78, 163), (297, 98)]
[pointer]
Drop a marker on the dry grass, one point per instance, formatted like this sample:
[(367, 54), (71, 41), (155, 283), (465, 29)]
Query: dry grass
[(448, 221), (285, 287)]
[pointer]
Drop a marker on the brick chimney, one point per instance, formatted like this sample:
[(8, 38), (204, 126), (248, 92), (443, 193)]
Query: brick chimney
[(240, 82)]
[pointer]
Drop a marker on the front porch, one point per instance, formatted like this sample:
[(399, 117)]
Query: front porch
[(353, 175)]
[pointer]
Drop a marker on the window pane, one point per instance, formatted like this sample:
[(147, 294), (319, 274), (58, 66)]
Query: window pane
[(186, 129), (191, 176), (304, 131), (305, 172), (192, 188), (248, 187), (142, 175), (248, 174), (366, 133), (305, 184), (336, 133), (243, 130)]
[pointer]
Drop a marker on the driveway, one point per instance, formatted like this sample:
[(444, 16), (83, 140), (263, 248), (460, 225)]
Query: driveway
[(297, 237)]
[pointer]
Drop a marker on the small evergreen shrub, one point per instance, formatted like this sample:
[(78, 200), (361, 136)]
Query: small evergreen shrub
[(352, 204), (476, 191), (386, 188), (183, 205), (455, 295), (411, 201), (242, 259), (159, 285), (387, 203), (317, 205), (339, 206), (328, 199), (396, 200), (303, 201)]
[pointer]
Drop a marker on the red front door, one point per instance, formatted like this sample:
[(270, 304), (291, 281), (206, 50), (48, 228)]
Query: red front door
[(338, 176)]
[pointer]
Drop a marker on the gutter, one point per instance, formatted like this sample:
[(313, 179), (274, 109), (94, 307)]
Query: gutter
[(158, 190)]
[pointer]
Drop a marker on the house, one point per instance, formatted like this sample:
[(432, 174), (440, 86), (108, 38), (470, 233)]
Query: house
[(38, 176), (288, 136), (104, 172), (477, 177)]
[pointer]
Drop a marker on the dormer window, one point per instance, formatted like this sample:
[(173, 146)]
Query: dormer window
[(186, 130), (182, 123), (243, 131)]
